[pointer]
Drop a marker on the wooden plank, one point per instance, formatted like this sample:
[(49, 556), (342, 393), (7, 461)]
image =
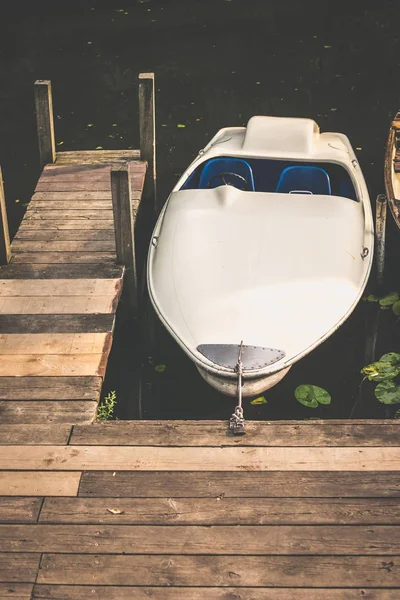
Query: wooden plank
[(58, 214), (71, 186), (147, 133), (259, 433), (60, 257), (55, 412), (61, 224), (19, 568), (70, 205), (281, 540), (50, 388), (64, 235), (124, 230), (61, 287), (19, 510), (222, 511), (58, 246), (37, 365), (76, 171), (45, 121), (18, 591), (93, 185), (46, 322), (5, 249), (36, 483), (146, 458), (77, 592), (46, 271), (256, 571), (54, 343), (74, 196), (34, 434), (96, 156), (249, 484), (57, 305)]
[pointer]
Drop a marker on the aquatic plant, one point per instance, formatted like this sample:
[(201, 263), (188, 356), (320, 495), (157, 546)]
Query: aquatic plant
[(384, 372), (105, 410), (312, 395)]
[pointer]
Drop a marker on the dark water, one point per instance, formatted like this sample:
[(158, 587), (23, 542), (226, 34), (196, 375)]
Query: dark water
[(217, 62)]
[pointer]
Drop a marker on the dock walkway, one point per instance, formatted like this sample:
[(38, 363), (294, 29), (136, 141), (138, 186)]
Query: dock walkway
[(184, 511), (58, 296)]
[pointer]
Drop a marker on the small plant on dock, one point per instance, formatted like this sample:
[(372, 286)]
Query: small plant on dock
[(383, 372), (105, 410)]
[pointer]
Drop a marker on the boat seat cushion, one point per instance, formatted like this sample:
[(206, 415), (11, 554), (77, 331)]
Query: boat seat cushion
[(304, 179), (216, 166)]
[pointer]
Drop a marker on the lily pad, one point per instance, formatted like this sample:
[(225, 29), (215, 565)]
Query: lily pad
[(388, 392), (380, 371), (389, 299), (312, 395), (396, 308), (160, 368), (391, 357), (259, 400), (372, 298)]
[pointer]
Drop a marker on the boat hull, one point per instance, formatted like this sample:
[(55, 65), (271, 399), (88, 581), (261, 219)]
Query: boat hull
[(250, 388)]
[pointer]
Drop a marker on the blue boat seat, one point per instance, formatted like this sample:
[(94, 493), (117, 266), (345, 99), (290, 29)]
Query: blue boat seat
[(304, 179), (216, 166)]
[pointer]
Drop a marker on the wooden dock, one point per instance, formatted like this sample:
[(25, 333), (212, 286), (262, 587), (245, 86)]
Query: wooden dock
[(185, 511)]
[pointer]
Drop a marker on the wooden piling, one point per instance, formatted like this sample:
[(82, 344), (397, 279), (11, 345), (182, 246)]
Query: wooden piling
[(124, 228), (381, 210), (5, 250), (45, 122), (147, 131)]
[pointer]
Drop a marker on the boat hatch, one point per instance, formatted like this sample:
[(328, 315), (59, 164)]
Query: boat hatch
[(253, 357)]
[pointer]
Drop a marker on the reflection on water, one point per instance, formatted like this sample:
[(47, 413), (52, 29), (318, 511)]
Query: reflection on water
[(217, 62)]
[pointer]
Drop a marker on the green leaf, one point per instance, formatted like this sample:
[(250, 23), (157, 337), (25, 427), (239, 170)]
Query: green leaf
[(259, 400), (396, 308), (312, 395), (389, 299), (391, 357), (181, 126), (160, 368), (380, 371), (372, 298), (388, 392)]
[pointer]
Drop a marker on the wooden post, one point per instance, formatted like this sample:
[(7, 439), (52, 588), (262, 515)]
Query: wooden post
[(147, 131), (45, 122), (381, 210), (124, 228), (5, 250)]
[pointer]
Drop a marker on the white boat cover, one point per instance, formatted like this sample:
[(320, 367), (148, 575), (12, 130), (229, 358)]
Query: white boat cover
[(274, 270)]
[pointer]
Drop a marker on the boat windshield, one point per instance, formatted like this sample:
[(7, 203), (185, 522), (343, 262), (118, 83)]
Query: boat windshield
[(268, 175)]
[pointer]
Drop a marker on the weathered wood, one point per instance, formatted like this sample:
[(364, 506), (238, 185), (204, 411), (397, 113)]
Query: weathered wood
[(5, 248), (19, 567), (71, 186), (76, 592), (249, 484), (39, 365), (221, 511), (54, 412), (27, 306), (49, 388), (124, 229), (257, 571), (148, 458), (273, 540), (34, 434), (96, 156), (64, 235), (260, 433), (60, 287), (45, 121), (94, 171), (147, 132), (54, 343), (83, 213), (19, 510), (18, 591), (66, 224), (46, 271), (36, 483), (70, 205), (74, 196), (64, 247), (61, 257), (43, 321)]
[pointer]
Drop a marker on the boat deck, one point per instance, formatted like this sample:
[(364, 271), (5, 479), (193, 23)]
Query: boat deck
[(59, 294), (184, 511)]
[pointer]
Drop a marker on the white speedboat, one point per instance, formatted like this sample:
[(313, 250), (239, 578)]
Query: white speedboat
[(262, 250)]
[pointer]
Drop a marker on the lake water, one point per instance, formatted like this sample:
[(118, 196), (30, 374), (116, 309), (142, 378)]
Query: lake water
[(217, 62)]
